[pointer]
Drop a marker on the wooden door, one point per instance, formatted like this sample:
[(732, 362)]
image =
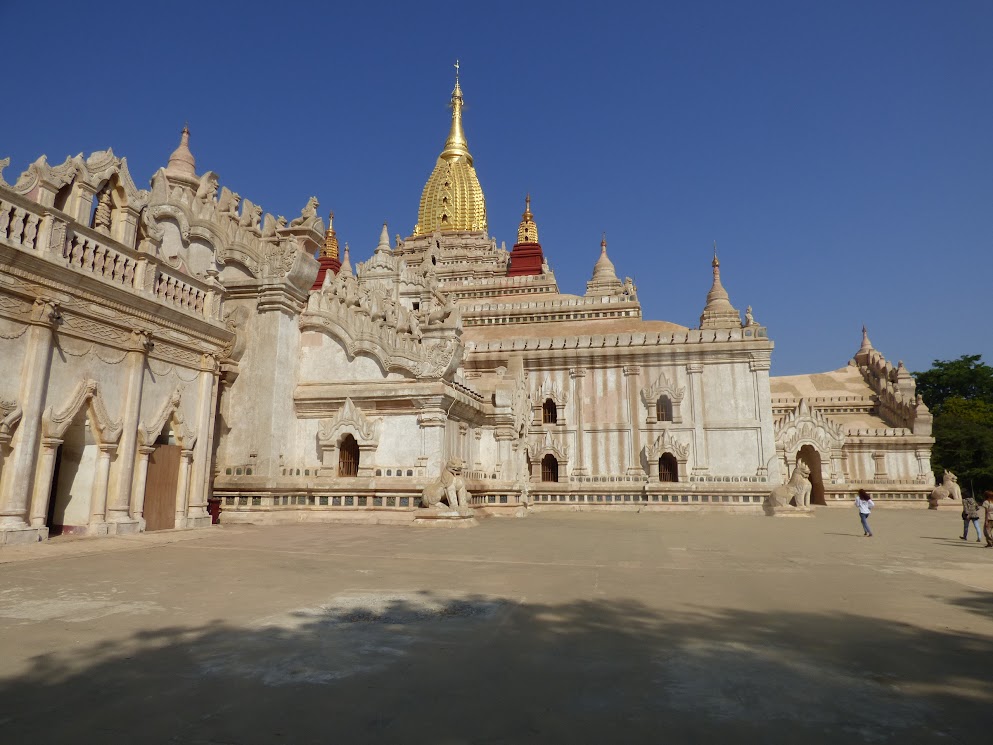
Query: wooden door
[(160, 487)]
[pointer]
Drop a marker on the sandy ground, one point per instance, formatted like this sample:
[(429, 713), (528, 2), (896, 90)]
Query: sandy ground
[(557, 628)]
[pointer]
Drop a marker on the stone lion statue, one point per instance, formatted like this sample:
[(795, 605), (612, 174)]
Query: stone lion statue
[(949, 489), (308, 214), (795, 493), (448, 489)]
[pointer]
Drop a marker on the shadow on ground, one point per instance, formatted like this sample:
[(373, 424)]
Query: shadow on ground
[(424, 668)]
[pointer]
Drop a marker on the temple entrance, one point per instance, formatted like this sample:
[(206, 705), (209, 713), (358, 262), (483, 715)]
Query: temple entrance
[(348, 457), (668, 468), (809, 455), (161, 484), (54, 530), (549, 468), (72, 480)]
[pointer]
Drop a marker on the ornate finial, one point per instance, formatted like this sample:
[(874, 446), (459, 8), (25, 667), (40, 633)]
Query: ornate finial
[(718, 313), (330, 248), (182, 161), (866, 344), (603, 241), (527, 231), (456, 146)]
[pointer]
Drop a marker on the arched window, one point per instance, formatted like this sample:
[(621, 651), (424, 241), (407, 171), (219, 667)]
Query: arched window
[(549, 468), (549, 412), (348, 457), (668, 468), (663, 409)]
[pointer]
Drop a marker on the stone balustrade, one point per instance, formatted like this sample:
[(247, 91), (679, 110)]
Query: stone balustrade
[(610, 341), (29, 227)]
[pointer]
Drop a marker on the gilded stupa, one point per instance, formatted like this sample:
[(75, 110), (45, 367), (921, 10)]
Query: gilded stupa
[(452, 199)]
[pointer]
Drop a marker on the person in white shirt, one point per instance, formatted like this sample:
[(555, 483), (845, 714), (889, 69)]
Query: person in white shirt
[(865, 505)]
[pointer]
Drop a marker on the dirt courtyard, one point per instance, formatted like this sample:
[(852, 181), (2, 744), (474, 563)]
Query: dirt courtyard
[(556, 628)]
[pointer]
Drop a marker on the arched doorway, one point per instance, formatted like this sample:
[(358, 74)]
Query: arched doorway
[(668, 468), (72, 481), (809, 455), (162, 483), (348, 456), (549, 468)]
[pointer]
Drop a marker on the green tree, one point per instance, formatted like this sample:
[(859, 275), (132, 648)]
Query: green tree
[(960, 395), (967, 377)]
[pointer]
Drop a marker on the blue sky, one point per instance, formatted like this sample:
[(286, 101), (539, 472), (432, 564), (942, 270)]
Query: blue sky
[(840, 153)]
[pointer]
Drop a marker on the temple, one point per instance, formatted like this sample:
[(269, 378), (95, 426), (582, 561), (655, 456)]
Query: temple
[(162, 346)]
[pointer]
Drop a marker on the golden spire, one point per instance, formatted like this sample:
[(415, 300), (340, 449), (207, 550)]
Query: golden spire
[(330, 249), (452, 199), (456, 146), (527, 231)]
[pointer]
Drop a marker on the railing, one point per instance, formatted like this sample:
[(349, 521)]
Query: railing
[(29, 227)]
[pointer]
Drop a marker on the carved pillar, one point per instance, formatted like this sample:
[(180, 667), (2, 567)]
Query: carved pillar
[(759, 368), (201, 459), (631, 375), (653, 466), (578, 375), (694, 371), (43, 481), (141, 474), (879, 461), (432, 420), (81, 202), (101, 480), (924, 472), (19, 469), (120, 502), (183, 486)]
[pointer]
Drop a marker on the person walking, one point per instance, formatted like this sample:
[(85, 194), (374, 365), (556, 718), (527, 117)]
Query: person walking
[(988, 522), (865, 504), (970, 513)]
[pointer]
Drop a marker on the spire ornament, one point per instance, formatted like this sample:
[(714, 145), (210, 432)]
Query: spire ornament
[(719, 313), (181, 162), (604, 281), (330, 249), (452, 200)]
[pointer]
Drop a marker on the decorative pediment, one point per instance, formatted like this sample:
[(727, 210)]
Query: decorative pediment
[(547, 390), (667, 443), (544, 444), (169, 411), (804, 425), (662, 386), (366, 320), (349, 420), (56, 423)]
